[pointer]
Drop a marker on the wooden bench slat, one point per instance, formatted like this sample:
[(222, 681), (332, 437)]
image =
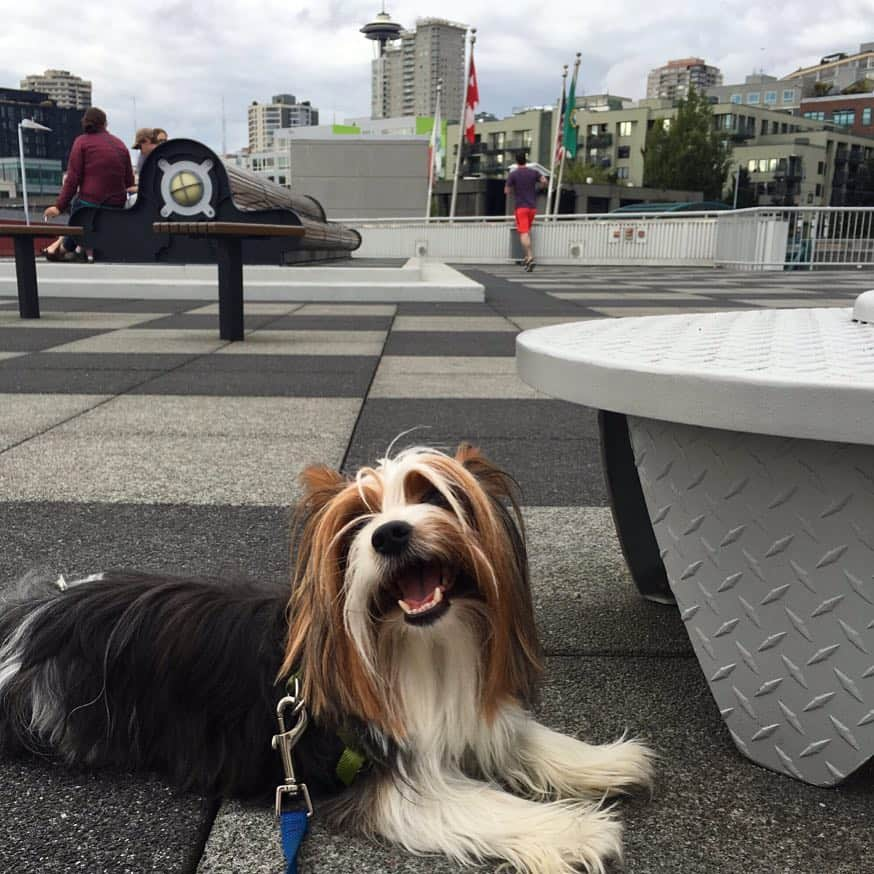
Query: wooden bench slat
[(43, 230)]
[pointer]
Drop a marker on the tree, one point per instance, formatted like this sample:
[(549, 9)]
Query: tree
[(577, 172), (690, 154)]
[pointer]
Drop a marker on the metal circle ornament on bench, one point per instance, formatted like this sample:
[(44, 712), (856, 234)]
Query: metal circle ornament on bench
[(186, 188)]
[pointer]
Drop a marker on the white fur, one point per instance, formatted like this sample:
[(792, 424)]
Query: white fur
[(436, 806)]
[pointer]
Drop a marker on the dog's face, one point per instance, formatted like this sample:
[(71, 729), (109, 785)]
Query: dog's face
[(407, 541)]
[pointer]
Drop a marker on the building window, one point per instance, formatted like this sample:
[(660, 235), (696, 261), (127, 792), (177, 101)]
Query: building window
[(623, 152), (770, 97), (763, 165), (845, 117), (752, 165), (789, 96), (772, 164), (622, 172), (625, 128), (737, 98), (818, 189), (866, 116), (820, 168), (753, 97), (593, 129), (666, 124), (764, 128)]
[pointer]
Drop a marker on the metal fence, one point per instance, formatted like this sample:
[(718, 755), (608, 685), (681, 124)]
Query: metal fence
[(776, 238)]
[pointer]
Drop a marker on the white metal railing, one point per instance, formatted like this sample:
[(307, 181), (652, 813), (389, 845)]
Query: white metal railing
[(761, 238)]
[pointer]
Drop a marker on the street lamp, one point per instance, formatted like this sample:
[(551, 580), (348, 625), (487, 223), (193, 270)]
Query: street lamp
[(30, 124)]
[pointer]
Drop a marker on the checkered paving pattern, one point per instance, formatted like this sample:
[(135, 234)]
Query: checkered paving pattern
[(131, 435)]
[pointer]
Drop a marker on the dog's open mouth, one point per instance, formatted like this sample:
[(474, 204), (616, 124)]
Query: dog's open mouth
[(424, 590)]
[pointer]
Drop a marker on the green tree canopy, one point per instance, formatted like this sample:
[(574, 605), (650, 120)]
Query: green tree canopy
[(690, 154)]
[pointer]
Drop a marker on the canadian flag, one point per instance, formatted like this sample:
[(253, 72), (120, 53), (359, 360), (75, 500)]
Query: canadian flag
[(470, 102)]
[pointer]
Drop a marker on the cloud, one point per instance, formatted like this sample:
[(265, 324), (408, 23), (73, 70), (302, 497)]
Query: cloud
[(174, 62)]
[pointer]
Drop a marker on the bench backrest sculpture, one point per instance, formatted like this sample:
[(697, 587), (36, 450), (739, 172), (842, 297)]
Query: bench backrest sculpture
[(183, 180)]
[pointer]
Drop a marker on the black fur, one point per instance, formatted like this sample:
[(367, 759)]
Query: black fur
[(175, 675)]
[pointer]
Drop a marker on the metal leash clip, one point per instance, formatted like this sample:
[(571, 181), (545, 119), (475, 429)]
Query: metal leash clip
[(285, 741)]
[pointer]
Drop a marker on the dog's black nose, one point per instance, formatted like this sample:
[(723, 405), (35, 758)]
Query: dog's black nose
[(392, 537)]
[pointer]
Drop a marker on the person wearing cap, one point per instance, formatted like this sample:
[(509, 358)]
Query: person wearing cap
[(98, 174), (145, 141)]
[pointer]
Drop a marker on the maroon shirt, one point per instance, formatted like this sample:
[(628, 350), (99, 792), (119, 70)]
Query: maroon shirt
[(523, 182), (99, 169)]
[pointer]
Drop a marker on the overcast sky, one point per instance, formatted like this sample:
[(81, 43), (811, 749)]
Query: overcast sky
[(179, 60)]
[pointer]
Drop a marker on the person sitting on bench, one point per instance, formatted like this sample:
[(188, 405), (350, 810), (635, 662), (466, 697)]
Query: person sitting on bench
[(99, 173)]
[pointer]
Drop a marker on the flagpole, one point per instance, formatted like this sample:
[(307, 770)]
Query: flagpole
[(434, 138), (568, 110), (461, 127), (558, 121)]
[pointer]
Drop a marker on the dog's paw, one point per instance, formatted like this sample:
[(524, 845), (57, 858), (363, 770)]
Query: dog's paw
[(581, 838), (629, 766)]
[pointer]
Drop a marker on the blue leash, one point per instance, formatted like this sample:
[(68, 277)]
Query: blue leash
[(293, 826), (293, 805)]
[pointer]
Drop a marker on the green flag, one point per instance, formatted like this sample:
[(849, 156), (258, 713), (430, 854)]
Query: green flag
[(569, 137)]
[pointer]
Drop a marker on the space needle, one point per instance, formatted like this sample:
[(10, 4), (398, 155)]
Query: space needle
[(382, 29)]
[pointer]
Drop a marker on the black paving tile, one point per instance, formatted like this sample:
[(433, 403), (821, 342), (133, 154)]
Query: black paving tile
[(451, 343), (294, 322), (28, 338), (266, 383), (53, 820), (118, 361), (241, 362), (96, 381), (200, 321), (549, 447), (118, 305)]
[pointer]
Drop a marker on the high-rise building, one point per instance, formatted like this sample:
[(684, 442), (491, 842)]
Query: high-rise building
[(405, 75), (282, 111), (673, 80), (54, 144), (68, 91)]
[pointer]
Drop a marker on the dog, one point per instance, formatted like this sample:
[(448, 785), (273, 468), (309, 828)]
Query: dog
[(410, 632)]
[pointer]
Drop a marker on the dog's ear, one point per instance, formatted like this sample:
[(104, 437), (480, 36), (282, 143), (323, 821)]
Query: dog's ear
[(320, 484), (491, 478)]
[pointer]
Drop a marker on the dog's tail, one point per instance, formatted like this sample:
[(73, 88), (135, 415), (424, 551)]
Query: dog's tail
[(136, 671)]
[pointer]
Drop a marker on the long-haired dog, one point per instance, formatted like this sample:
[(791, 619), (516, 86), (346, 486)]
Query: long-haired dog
[(411, 631)]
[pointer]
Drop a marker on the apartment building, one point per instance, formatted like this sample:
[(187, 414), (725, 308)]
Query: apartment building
[(673, 80), (837, 71), (67, 91), (790, 159), (404, 78), (498, 141), (854, 112), (283, 111)]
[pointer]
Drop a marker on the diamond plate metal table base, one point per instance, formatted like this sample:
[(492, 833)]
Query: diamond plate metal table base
[(768, 544)]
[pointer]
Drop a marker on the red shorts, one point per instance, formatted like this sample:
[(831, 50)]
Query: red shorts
[(525, 218)]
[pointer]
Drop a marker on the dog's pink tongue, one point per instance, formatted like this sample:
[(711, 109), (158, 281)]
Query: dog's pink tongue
[(417, 586)]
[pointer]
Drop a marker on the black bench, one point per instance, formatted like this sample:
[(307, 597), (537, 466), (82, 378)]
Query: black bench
[(229, 237), (25, 262)]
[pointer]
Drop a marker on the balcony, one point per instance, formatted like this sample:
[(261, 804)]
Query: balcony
[(599, 141)]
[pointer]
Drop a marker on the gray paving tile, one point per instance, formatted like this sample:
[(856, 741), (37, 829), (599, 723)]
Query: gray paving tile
[(77, 319), (150, 468), (143, 340), (25, 415), (404, 376), (451, 323)]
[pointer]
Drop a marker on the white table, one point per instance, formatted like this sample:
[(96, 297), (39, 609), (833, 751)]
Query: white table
[(739, 455)]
